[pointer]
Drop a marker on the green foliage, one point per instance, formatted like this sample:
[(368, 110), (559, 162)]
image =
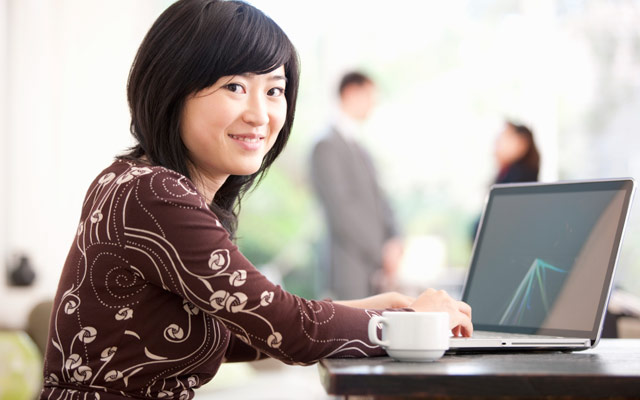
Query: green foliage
[(272, 216), (278, 227)]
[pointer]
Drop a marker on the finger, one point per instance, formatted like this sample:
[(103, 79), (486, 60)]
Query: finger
[(429, 291), (464, 308), (401, 300), (456, 331), (466, 327)]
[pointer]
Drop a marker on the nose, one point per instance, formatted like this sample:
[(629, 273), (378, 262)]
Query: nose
[(256, 112)]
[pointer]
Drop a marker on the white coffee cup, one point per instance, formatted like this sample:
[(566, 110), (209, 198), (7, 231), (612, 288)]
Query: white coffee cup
[(412, 336)]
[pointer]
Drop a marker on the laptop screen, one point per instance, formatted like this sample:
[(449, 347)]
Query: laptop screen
[(545, 256)]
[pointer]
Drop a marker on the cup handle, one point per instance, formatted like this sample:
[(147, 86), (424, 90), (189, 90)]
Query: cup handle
[(373, 330)]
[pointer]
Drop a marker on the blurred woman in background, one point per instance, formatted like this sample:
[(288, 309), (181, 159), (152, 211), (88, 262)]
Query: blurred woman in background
[(517, 155)]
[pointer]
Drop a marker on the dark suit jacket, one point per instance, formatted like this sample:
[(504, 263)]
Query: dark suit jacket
[(358, 215)]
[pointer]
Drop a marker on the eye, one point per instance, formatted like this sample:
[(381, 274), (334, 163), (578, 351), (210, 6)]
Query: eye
[(235, 88), (276, 92)]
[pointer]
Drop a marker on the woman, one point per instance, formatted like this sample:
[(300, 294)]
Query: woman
[(517, 155), (154, 295)]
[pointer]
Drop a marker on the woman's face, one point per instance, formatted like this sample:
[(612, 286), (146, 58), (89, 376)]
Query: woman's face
[(229, 127), (510, 146)]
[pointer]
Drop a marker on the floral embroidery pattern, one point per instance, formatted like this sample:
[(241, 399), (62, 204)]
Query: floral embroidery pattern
[(154, 296)]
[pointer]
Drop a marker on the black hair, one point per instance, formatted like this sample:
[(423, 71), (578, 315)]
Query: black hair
[(531, 158), (353, 78), (189, 47)]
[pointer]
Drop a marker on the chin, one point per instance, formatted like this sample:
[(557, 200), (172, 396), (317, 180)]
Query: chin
[(246, 170)]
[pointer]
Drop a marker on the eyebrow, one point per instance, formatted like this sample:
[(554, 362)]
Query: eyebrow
[(271, 78)]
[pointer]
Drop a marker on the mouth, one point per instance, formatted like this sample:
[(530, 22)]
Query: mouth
[(251, 138)]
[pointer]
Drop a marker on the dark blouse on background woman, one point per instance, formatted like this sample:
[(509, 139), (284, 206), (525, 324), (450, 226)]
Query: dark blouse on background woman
[(154, 296), (517, 172)]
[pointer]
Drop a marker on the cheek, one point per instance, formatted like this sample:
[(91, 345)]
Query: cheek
[(521, 147), (209, 113), (188, 127), (272, 140), (281, 113), (193, 134), (278, 118), (499, 145)]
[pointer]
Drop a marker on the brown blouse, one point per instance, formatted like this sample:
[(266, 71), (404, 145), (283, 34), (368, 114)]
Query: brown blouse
[(154, 296)]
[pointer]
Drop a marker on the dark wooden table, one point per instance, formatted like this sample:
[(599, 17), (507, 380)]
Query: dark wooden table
[(611, 370)]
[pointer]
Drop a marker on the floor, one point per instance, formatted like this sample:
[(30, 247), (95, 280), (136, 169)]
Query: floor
[(264, 380)]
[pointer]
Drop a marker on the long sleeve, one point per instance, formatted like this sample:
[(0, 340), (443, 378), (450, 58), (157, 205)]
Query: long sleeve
[(239, 351), (153, 297), (175, 242)]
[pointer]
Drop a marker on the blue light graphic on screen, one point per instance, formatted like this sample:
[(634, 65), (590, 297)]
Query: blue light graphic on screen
[(534, 281)]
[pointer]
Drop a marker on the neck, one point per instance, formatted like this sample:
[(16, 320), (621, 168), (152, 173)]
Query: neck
[(347, 125), (207, 184)]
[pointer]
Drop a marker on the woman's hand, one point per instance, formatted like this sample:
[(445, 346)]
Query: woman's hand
[(380, 301), (439, 300)]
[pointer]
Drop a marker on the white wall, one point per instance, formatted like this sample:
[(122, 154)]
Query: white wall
[(65, 118), (3, 134)]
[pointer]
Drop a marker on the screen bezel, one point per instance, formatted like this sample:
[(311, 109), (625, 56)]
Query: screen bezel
[(626, 185)]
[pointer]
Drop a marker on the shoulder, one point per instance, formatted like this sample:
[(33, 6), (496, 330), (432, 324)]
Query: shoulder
[(146, 184), (329, 141), (519, 172), (329, 134)]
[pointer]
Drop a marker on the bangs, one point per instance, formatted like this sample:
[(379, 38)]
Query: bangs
[(247, 42)]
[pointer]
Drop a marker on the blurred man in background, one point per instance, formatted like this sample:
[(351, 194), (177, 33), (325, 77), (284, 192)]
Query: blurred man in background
[(364, 247)]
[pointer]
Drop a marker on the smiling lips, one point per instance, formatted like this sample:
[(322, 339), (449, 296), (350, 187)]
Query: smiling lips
[(249, 141)]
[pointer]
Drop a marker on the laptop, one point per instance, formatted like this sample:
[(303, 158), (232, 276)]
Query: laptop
[(543, 264)]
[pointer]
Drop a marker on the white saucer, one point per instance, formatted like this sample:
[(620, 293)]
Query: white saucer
[(415, 355)]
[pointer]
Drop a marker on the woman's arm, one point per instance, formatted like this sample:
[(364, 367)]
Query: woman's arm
[(178, 244), (429, 300), (239, 351), (380, 301)]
